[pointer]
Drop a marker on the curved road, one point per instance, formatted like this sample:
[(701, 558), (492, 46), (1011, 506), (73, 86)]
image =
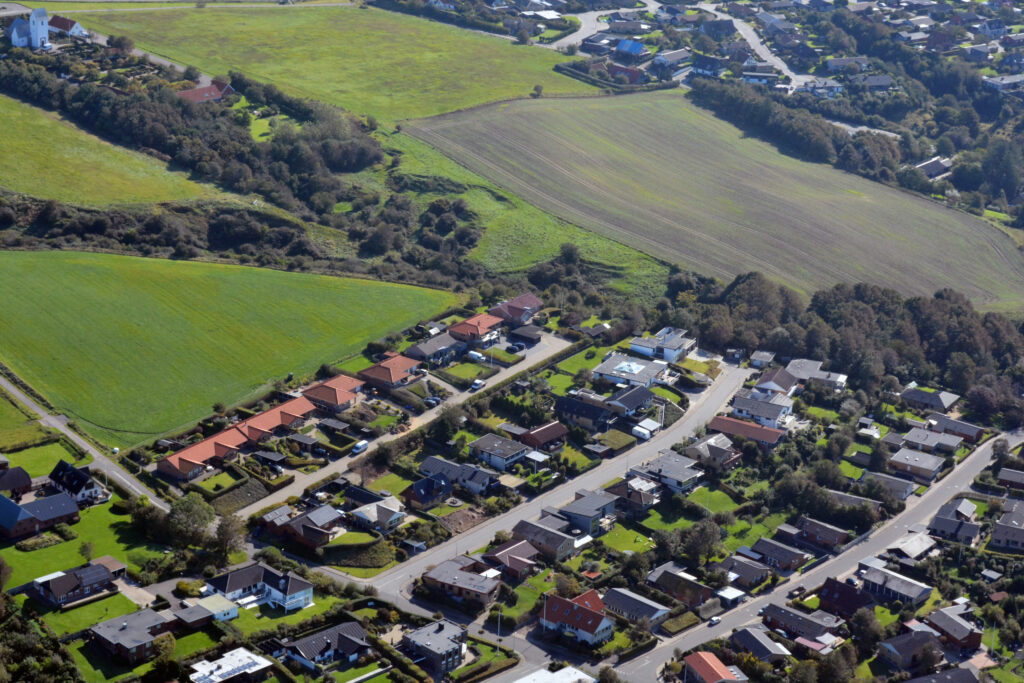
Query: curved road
[(589, 24)]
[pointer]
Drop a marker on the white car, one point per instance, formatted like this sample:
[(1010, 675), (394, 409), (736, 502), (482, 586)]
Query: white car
[(714, 621), (477, 384), (360, 446)]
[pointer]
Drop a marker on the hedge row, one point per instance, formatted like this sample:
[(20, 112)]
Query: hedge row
[(681, 623)]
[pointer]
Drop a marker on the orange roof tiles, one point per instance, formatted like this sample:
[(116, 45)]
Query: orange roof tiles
[(476, 326), (584, 613), (390, 370), (709, 667), (335, 391), (231, 439)]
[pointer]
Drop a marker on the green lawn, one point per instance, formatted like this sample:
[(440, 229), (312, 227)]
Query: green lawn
[(219, 481), (145, 346), (83, 617), (40, 460), (870, 668), (15, 426), (57, 160), (466, 370), (95, 666), (529, 592), (353, 672), (577, 458), (110, 534), (267, 617), (353, 538), (824, 414), (370, 61), (716, 501), (741, 533), (620, 641), (588, 556), (656, 519), (885, 616), (744, 211), (366, 572), (559, 383), (930, 604), (850, 470), (486, 653), (586, 359), (384, 421), (395, 483), (622, 539)]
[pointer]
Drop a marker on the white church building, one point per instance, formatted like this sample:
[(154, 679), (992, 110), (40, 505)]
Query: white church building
[(33, 33)]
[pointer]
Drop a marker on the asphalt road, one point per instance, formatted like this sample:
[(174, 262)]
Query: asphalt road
[(100, 461), (762, 51), (589, 24), (919, 511), (548, 346)]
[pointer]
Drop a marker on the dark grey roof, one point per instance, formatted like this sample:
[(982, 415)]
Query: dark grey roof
[(453, 573), (944, 423), (948, 676), (439, 637), (770, 406), (950, 526), (11, 513), (756, 642), (70, 478), (671, 566), (498, 446), (131, 630), (429, 347), (896, 583), (939, 400), (1014, 476), (633, 397), (807, 625), (744, 567), (910, 642), (949, 621), (923, 438), (567, 405), (336, 425), (347, 638), (258, 573), (778, 551), (14, 479), (458, 473), (589, 503), (191, 615), (538, 534), (51, 507), (270, 456), (669, 464), (912, 458), (304, 439), (628, 602), (901, 488)]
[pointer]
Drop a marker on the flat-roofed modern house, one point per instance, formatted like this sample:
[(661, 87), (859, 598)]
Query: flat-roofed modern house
[(673, 471), (497, 451), (130, 637), (668, 344), (619, 368), (438, 647), (922, 466)]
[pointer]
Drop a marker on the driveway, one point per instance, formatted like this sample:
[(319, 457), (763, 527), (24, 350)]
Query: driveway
[(100, 461), (919, 511), (548, 346)]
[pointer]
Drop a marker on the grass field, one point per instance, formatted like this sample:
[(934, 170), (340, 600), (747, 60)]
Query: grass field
[(622, 539), (110, 534), (78, 618), (395, 483), (370, 61), (135, 347), (266, 617), (715, 501), (39, 461), (529, 592), (661, 175), (15, 426), (57, 160), (97, 667)]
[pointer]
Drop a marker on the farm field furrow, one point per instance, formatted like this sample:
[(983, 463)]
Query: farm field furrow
[(670, 179), (370, 61), (134, 347), (53, 159)]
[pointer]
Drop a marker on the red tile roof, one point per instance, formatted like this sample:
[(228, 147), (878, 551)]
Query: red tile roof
[(584, 613), (730, 426), (236, 436), (476, 326), (390, 370), (208, 93), (335, 391), (709, 667), (62, 23), (515, 308)]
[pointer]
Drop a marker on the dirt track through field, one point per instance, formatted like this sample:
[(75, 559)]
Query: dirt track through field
[(658, 174)]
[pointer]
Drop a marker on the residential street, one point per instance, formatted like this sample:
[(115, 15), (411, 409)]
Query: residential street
[(919, 511), (537, 354), (590, 25), (100, 460), (757, 45)]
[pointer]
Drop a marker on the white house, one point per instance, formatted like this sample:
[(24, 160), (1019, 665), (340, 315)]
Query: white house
[(63, 25), (667, 344), (384, 516), (257, 583), (33, 33)]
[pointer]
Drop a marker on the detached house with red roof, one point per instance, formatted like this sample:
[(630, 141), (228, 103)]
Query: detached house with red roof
[(393, 372), (337, 394), (518, 311), (478, 330), (214, 92), (62, 25), (705, 667), (583, 617), (190, 462)]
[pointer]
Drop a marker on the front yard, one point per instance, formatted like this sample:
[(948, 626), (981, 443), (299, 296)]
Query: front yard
[(266, 617), (391, 482), (529, 592), (79, 618), (219, 482), (714, 500), (622, 539), (468, 371)]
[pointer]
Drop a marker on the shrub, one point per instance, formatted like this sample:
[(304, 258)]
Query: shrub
[(65, 532)]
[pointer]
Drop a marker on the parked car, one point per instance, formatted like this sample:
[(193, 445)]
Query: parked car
[(477, 384), (714, 621), (512, 348), (360, 446), (476, 355)]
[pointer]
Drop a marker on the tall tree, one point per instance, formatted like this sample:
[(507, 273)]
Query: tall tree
[(189, 518), (229, 535)]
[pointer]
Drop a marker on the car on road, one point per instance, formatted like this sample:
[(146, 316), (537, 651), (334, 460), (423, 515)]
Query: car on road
[(477, 384), (760, 611), (799, 590), (714, 621), (360, 446), (432, 401)]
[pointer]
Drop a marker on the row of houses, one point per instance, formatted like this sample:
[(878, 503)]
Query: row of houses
[(57, 502)]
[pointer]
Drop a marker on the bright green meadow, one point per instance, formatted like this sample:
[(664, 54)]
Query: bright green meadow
[(134, 347), (47, 157)]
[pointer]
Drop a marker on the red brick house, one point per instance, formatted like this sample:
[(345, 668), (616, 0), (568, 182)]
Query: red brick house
[(393, 372), (548, 438)]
